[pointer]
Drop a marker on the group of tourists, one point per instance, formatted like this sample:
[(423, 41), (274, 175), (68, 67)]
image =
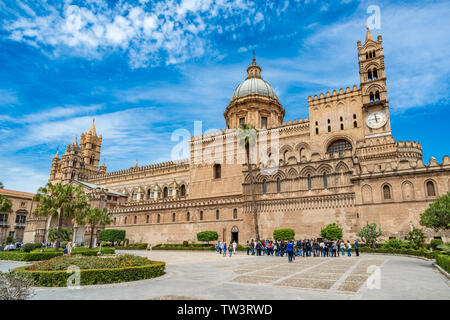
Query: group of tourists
[(222, 247), (292, 249)]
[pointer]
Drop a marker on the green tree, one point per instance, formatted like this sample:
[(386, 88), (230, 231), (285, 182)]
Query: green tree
[(112, 235), (247, 138), (1, 185), (96, 217), (5, 204), (283, 234), (369, 234), (416, 238), (437, 216), (207, 236), (65, 235), (331, 232), (61, 202)]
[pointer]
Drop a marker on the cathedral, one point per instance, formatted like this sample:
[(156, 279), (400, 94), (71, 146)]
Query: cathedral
[(341, 164)]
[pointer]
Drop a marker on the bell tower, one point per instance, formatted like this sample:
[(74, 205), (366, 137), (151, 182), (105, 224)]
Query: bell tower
[(373, 87), (90, 145)]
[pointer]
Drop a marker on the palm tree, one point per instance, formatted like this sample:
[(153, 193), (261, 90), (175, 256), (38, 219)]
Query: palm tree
[(5, 204), (247, 138), (95, 217), (1, 185), (61, 202)]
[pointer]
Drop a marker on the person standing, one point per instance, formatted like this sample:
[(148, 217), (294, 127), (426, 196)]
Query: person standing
[(248, 248), (234, 247), (253, 244), (69, 248), (290, 250), (343, 248), (220, 247), (357, 247), (230, 249), (349, 246), (322, 249), (224, 249)]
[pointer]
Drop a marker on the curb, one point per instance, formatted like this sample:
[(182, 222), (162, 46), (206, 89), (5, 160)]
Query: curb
[(445, 273)]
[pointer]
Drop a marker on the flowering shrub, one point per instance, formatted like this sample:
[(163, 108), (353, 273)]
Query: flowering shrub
[(90, 262)]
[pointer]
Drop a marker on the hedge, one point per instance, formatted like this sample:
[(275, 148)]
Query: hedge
[(95, 276), (411, 252), (134, 246), (28, 256), (192, 246), (443, 261), (45, 255)]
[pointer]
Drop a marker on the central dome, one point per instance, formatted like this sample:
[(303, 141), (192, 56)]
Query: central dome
[(253, 86)]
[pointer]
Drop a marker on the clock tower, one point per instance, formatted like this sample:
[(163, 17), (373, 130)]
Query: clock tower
[(373, 87)]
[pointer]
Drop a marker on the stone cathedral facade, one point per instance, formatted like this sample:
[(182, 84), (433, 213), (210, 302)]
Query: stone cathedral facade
[(341, 164)]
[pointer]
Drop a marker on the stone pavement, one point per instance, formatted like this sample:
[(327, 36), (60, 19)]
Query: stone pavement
[(207, 275)]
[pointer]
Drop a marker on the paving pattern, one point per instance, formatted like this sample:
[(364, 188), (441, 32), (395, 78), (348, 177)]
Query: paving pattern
[(339, 275)]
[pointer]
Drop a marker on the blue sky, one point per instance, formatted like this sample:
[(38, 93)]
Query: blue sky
[(146, 68)]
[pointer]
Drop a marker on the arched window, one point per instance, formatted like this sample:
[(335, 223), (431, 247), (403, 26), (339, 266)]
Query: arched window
[(285, 155), (309, 182), (264, 187), (135, 219), (431, 190), (148, 218), (342, 126), (325, 180), (165, 192), (372, 97), (375, 73), (387, 192), (329, 128), (355, 124), (235, 214), (126, 220), (301, 153), (369, 75), (114, 221), (278, 185), (91, 160), (339, 146), (317, 130), (159, 218), (188, 216), (174, 217), (183, 190), (217, 215), (373, 53), (377, 96), (217, 171), (201, 215)]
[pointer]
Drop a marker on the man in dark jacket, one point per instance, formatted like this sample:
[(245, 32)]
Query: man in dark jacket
[(357, 247)]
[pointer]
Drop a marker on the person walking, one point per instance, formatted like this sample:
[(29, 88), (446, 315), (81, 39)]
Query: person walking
[(234, 247), (248, 248), (224, 249), (290, 250), (349, 246), (220, 247), (357, 247), (230, 249)]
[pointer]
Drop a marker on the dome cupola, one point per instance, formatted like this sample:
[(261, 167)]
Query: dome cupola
[(254, 101)]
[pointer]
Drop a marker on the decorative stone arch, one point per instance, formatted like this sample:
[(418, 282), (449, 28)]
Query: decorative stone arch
[(324, 168), (292, 173), (372, 64), (335, 138), (366, 194), (279, 174), (407, 190), (384, 192), (305, 153), (427, 183), (342, 167), (374, 87), (286, 152), (247, 178), (307, 170)]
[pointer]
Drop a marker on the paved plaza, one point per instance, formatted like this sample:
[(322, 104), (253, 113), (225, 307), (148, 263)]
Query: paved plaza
[(208, 275)]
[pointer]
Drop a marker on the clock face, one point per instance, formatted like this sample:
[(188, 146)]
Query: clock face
[(376, 119)]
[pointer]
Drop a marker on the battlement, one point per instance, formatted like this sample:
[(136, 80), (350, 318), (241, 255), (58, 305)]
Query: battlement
[(334, 96), (404, 165), (137, 169)]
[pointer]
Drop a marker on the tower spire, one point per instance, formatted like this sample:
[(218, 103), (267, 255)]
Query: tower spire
[(254, 71), (92, 128), (368, 34)]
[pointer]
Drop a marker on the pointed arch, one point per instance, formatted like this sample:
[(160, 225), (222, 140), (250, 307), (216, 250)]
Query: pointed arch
[(366, 193), (308, 170), (341, 167), (292, 173), (324, 168), (407, 190)]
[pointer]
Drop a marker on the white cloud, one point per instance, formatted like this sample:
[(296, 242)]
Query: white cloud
[(167, 32)]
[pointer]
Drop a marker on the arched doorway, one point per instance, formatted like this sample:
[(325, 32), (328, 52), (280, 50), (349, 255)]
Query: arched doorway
[(235, 234)]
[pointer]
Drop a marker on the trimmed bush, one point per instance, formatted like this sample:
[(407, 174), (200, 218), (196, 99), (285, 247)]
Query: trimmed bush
[(192, 246), (396, 244), (133, 246), (112, 235), (443, 261), (410, 252), (331, 232), (95, 276), (283, 234), (434, 243), (207, 236)]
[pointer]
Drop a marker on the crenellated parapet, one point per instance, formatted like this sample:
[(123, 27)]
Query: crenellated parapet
[(386, 148), (334, 96)]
